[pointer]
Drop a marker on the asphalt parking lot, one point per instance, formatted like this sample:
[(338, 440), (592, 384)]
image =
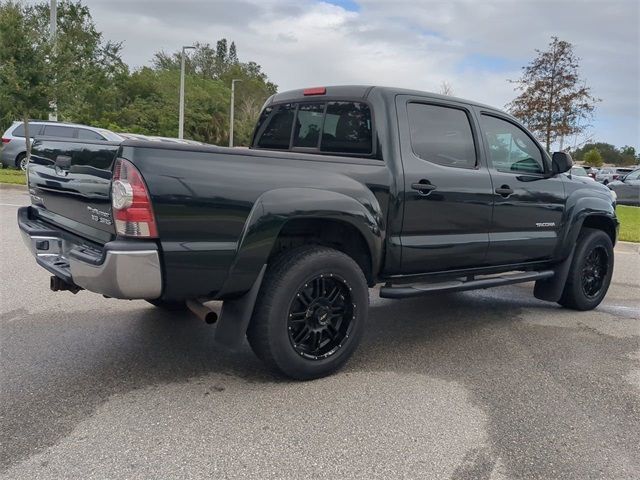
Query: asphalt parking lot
[(480, 385)]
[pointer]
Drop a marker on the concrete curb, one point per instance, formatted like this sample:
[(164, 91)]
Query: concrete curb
[(628, 246), (12, 186)]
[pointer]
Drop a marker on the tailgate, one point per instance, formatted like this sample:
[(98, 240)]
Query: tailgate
[(70, 183)]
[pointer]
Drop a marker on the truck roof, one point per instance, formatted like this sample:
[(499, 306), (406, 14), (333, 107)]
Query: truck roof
[(363, 91)]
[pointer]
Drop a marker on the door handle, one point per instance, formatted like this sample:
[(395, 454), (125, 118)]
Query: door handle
[(504, 190), (423, 186)]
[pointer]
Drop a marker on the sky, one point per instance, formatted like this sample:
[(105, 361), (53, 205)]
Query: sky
[(475, 46)]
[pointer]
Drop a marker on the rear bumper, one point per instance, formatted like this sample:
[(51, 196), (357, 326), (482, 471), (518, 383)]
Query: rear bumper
[(118, 269)]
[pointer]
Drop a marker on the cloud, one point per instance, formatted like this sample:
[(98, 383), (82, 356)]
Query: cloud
[(475, 46)]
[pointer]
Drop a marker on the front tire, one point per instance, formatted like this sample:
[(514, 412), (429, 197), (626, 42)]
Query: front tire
[(310, 313), (590, 273)]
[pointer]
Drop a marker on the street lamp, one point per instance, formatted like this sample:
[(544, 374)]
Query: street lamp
[(233, 98), (53, 21), (181, 121)]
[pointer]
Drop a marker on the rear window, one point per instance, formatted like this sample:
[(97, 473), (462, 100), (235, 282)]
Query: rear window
[(58, 131), (331, 127), (33, 130), (308, 125), (347, 128)]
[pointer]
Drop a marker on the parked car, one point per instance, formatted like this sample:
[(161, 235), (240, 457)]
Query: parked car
[(14, 149), (343, 188), (592, 172), (609, 174), (579, 171), (627, 188)]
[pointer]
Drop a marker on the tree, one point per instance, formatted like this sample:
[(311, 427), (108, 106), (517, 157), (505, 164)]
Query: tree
[(628, 156), (446, 88), (554, 101), (81, 71), (87, 70), (221, 65), (593, 158), (609, 153), (25, 70)]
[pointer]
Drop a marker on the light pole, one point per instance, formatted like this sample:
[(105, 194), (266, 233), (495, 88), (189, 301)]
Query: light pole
[(181, 121), (53, 21), (233, 99)]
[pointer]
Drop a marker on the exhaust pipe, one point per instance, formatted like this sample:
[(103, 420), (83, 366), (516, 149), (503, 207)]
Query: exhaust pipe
[(58, 285), (202, 311)]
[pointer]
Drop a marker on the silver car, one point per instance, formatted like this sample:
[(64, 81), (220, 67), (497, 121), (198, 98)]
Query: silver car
[(609, 174), (627, 188), (14, 149)]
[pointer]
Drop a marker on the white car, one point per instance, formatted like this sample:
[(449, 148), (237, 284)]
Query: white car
[(579, 171)]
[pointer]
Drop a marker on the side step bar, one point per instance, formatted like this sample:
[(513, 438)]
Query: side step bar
[(459, 285)]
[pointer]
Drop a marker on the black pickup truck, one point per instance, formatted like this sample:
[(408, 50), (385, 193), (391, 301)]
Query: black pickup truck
[(343, 188)]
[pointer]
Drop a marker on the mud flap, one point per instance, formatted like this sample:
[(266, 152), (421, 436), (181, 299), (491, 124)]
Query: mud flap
[(551, 289), (235, 316)]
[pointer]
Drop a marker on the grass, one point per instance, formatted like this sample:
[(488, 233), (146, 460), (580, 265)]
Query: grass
[(15, 177), (629, 218)]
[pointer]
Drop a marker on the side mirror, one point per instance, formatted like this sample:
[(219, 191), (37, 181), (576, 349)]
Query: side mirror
[(562, 162)]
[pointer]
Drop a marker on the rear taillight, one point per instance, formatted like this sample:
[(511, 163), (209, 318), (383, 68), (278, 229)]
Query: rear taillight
[(131, 202), (5, 140)]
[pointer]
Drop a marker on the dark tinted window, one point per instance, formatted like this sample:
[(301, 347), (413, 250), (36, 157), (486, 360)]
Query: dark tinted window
[(58, 131), (347, 128), (308, 125), (510, 148), (33, 130), (89, 134), (441, 135), (274, 128)]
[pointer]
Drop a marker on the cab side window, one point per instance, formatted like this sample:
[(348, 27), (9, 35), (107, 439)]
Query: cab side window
[(510, 148), (441, 135)]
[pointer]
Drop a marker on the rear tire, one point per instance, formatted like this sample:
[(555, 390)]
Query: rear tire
[(590, 273), (21, 161), (310, 313)]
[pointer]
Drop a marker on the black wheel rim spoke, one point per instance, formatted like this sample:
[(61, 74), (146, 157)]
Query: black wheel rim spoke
[(594, 271), (321, 316)]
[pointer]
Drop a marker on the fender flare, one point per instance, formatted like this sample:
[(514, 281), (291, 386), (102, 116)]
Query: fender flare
[(579, 208), (273, 209)]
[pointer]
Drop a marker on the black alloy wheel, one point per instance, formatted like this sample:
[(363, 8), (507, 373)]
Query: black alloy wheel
[(320, 317), (310, 313), (594, 271), (591, 270)]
